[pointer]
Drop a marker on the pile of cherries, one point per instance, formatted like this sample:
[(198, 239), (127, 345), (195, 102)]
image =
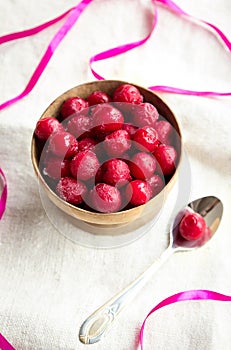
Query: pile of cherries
[(107, 153)]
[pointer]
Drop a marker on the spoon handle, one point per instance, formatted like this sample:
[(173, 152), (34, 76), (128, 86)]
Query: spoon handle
[(96, 325)]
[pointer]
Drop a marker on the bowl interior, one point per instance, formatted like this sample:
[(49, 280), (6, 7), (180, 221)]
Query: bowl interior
[(151, 208)]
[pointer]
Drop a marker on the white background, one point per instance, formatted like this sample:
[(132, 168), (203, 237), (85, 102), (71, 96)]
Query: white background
[(49, 285)]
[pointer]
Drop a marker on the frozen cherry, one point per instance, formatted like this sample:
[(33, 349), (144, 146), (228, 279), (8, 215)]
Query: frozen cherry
[(166, 157), (98, 97), (115, 172), (156, 183), (84, 165), (165, 132), (63, 144), (56, 168), (138, 192), (192, 226), (105, 198), (86, 144), (47, 126), (71, 190), (127, 93), (146, 138), (145, 114), (79, 125), (142, 165), (73, 105), (117, 143), (106, 118)]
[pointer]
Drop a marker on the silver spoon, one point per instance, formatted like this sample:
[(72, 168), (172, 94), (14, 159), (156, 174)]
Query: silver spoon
[(96, 325)]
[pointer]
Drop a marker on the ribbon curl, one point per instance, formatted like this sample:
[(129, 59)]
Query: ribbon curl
[(73, 15), (195, 294), (176, 9)]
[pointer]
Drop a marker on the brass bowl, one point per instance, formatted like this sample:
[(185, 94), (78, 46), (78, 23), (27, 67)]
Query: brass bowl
[(148, 210)]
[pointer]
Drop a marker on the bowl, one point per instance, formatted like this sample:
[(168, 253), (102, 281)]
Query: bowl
[(148, 210)]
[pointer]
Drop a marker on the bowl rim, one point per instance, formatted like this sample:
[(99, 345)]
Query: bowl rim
[(94, 214)]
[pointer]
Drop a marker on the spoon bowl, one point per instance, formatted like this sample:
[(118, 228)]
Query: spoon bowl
[(96, 325), (211, 209)]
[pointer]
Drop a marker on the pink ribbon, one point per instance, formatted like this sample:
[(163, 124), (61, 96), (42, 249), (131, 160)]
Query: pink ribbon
[(161, 88), (123, 48), (4, 344), (196, 294), (3, 197), (73, 15), (175, 8)]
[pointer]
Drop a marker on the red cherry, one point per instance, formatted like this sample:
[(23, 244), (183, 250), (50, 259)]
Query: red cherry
[(63, 144), (138, 192), (115, 172), (73, 105), (105, 198), (98, 97), (166, 157), (146, 138), (142, 165), (79, 125), (127, 93), (117, 143), (86, 144), (84, 165), (156, 183), (106, 118), (47, 126), (145, 114), (70, 190), (165, 132), (192, 226), (57, 168)]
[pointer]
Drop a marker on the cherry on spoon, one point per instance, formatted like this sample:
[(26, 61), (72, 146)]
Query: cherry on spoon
[(96, 325)]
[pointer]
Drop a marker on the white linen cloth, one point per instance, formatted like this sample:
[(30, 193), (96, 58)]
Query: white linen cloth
[(48, 284)]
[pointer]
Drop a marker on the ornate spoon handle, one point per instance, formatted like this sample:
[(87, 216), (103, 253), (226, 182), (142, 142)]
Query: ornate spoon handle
[(96, 325)]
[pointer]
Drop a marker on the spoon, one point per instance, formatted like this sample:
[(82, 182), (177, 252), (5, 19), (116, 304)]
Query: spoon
[(96, 325)]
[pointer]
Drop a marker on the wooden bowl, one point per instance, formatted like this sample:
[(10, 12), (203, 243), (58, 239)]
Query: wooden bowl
[(148, 210)]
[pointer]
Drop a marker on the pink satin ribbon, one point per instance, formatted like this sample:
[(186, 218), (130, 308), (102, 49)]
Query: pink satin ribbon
[(123, 48), (4, 344), (196, 294), (162, 88), (3, 197), (73, 15), (189, 295)]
